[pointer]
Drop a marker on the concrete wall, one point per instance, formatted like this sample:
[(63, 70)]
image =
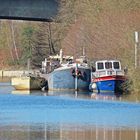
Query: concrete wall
[(1, 73), (7, 73)]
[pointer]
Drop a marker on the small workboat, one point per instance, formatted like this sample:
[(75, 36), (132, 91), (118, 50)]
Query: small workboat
[(28, 82), (70, 77), (64, 73), (107, 77)]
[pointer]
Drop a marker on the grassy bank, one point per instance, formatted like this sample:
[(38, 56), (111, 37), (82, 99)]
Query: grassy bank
[(134, 76)]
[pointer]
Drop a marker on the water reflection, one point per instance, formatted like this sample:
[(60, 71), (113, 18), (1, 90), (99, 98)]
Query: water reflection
[(6, 79), (66, 132), (67, 116), (6, 88), (70, 94), (29, 92), (81, 94), (58, 109)]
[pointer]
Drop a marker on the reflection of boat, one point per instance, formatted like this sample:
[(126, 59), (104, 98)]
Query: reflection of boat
[(29, 92), (21, 92), (69, 94), (27, 82), (107, 77)]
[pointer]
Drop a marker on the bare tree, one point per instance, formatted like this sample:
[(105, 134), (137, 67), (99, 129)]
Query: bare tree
[(13, 39)]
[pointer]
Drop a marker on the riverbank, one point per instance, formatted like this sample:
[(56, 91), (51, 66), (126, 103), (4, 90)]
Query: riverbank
[(134, 78)]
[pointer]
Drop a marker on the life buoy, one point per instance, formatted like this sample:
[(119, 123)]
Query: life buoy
[(94, 86)]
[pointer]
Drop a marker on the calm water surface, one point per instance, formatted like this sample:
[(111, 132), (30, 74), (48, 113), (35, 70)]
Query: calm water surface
[(37, 116)]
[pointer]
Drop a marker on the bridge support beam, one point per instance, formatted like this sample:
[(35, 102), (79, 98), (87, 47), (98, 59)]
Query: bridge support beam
[(38, 10)]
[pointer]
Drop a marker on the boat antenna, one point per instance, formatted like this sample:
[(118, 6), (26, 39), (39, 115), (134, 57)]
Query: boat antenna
[(84, 51)]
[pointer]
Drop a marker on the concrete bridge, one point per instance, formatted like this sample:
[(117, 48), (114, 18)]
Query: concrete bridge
[(35, 10)]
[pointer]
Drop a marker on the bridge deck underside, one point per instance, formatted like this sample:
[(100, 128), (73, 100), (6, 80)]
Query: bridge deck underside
[(29, 9)]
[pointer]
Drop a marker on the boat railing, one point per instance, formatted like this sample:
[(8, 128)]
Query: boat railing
[(102, 73)]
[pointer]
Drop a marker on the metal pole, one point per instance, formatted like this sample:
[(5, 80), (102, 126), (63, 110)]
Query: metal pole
[(2, 74), (136, 47), (135, 55)]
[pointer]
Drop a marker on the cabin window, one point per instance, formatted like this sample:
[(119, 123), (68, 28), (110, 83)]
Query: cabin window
[(100, 66), (108, 65), (116, 65)]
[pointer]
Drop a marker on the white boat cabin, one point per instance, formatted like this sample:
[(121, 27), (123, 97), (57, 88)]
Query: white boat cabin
[(107, 68), (54, 62)]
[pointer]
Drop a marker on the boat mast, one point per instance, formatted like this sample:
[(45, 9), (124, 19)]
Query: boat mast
[(76, 78), (84, 51), (61, 56), (28, 65)]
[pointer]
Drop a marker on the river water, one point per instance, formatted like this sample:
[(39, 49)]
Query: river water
[(40, 115)]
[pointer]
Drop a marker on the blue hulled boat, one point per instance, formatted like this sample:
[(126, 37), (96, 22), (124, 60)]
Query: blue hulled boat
[(108, 77), (62, 73), (70, 77)]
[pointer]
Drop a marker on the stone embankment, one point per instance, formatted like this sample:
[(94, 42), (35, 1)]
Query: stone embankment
[(9, 73)]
